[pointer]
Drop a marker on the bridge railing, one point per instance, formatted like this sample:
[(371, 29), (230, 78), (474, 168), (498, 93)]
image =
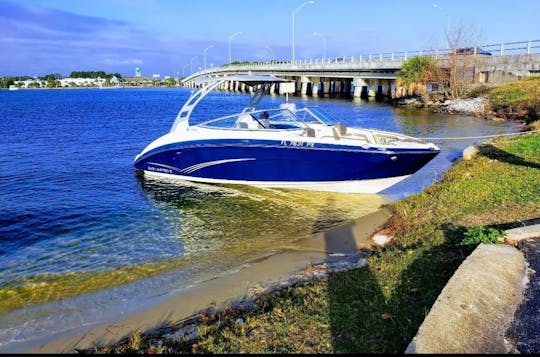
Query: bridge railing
[(392, 58), (500, 49)]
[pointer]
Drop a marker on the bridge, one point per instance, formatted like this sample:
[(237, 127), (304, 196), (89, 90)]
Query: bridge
[(375, 75)]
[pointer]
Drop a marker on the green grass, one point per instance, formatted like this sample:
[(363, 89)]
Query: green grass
[(520, 98), (379, 308)]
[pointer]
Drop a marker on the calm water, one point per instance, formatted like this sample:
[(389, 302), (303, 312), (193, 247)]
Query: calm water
[(82, 238)]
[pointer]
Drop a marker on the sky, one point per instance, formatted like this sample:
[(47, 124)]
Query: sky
[(176, 37)]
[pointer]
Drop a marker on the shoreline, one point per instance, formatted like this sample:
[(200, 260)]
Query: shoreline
[(342, 248), (476, 106)]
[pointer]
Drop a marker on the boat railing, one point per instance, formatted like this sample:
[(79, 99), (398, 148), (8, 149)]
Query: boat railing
[(383, 137)]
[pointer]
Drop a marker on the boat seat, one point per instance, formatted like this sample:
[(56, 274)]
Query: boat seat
[(241, 125), (246, 121), (341, 128), (309, 132)]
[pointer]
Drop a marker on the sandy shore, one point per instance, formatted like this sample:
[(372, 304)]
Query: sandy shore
[(335, 246)]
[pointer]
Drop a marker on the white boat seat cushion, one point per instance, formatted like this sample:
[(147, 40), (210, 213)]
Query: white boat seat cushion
[(241, 125), (309, 132), (342, 129), (246, 121)]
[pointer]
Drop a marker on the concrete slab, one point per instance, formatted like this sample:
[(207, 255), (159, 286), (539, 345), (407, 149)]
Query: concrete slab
[(517, 234), (476, 307)]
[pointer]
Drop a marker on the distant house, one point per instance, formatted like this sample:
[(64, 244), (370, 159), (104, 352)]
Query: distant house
[(115, 81), (137, 81), (81, 82), (88, 82)]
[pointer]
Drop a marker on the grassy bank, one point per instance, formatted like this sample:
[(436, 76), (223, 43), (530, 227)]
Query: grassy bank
[(517, 100), (378, 308)]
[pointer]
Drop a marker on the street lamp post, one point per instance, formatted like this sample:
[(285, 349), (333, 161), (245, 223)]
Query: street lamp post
[(324, 44), (191, 62), (184, 70), (204, 54), (293, 14), (230, 39)]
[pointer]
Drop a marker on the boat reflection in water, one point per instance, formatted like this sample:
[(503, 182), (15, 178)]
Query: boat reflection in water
[(222, 226)]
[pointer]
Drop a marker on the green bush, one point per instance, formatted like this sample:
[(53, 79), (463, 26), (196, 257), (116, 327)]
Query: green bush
[(480, 234), (419, 69)]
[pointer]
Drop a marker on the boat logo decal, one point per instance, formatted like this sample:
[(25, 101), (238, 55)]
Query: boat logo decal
[(163, 168), (193, 168)]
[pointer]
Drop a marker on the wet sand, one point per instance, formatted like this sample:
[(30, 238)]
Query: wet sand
[(342, 241)]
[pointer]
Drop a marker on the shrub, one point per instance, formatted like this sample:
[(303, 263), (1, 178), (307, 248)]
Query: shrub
[(420, 69), (480, 234)]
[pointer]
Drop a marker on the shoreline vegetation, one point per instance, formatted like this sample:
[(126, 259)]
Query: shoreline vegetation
[(518, 100), (378, 307)]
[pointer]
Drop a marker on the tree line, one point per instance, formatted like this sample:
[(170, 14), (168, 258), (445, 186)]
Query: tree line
[(93, 74)]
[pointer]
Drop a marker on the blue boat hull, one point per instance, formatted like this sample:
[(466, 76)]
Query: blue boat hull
[(274, 161)]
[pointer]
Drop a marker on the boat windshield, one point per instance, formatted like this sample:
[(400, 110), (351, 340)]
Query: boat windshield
[(321, 116), (277, 119)]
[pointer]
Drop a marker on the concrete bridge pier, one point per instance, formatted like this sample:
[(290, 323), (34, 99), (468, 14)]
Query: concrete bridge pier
[(379, 92), (388, 88), (347, 87), (297, 85), (373, 85), (337, 87), (315, 84), (342, 88), (331, 87), (315, 89), (326, 88), (304, 84), (359, 84)]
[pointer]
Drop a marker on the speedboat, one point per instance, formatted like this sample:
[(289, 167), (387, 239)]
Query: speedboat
[(282, 147)]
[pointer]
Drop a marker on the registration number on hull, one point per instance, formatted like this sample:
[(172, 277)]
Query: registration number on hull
[(295, 143)]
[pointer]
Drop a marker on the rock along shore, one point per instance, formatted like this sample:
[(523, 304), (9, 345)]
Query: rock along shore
[(478, 107)]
